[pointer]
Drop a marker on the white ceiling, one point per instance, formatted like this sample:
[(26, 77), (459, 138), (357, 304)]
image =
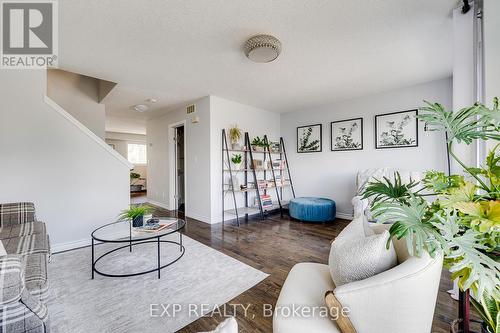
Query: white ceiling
[(177, 51)]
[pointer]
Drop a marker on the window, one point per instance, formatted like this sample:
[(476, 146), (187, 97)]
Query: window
[(137, 153)]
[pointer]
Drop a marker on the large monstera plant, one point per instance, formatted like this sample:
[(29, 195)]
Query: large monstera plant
[(456, 214)]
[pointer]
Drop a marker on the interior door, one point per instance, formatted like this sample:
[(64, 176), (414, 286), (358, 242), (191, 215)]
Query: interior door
[(179, 170)]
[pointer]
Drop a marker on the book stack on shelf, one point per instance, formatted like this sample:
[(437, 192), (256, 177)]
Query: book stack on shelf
[(281, 181), (279, 164), (266, 201)]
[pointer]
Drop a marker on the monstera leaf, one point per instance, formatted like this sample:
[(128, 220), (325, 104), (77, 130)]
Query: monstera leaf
[(485, 214), (493, 169), (463, 193), (410, 223), (464, 125), (465, 256), (440, 183)]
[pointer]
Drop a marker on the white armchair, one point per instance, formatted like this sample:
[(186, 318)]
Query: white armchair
[(401, 299), (362, 206)]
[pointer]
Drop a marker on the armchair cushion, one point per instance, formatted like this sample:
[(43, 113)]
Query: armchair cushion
[(16, 213), (304, 288), (11, 279), (27, 315), (19, 310)]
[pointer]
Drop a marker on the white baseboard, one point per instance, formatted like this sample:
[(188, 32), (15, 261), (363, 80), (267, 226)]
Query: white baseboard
[(159, 204), (190, 214), (61, 247), (345, 216), (199, 217)]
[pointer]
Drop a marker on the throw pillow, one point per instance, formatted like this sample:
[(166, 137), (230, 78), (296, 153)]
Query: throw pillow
[(230, 325), (357, 253)]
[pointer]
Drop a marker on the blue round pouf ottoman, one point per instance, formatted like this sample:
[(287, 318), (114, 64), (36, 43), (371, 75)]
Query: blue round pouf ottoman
[(312, 209)]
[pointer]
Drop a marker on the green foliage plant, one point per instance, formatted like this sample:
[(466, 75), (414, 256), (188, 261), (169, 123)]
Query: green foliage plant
[(134, 211), (463, 220)]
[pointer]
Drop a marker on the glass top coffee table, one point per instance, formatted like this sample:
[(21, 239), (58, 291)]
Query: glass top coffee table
[(123, 233)]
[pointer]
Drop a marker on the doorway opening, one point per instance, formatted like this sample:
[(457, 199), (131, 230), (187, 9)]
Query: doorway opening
[(180, 188)]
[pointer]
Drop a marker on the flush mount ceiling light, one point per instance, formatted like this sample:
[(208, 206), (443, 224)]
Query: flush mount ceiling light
[(140, 107), (152, 100), (262, 48)]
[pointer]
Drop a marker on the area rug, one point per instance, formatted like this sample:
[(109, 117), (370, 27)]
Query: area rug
[(190, 288)]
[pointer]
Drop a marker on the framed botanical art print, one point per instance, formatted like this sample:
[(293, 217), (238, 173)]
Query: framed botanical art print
[(396, 130), (347, 134), (309, 139)]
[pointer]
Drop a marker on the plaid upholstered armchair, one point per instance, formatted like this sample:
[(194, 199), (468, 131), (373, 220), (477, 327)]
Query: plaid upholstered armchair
[(24, 254)]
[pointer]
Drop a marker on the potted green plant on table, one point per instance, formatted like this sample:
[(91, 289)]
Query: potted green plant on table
[(134, 178), (135, 214), (235, 136), (236, 160), (463, 220)]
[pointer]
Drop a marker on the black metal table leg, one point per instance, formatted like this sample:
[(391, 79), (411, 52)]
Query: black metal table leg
[(92, 258), (159, 265), (180, 241), (130, 237)]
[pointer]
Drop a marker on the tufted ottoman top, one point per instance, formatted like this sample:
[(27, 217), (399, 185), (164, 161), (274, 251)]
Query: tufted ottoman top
[(312, 209), (313, 201)]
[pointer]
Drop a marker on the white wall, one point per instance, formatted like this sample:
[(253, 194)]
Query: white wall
[(257, 122), (332, 174), (464, 79), (76, 183), (203, 152), (79, 95), (197, 172), (491, 36), (491, 24)]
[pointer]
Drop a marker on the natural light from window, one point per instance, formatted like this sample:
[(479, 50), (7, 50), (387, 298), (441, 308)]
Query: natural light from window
[(137, 153)]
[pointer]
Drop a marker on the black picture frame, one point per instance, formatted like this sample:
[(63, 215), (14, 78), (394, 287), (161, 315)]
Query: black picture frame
[(341, 121), (320, 139), (377, 146)]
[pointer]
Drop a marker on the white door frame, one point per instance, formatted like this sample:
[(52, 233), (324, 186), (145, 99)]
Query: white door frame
[(171, 162)]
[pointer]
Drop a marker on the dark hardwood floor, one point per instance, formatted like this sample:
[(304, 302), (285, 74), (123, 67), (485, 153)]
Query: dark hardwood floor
[(274, 246)]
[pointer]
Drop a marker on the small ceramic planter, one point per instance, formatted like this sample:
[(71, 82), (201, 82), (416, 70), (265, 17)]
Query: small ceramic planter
[(236, 166), (138, 221)]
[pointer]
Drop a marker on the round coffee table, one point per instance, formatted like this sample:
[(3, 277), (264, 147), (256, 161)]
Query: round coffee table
[(123, 232)]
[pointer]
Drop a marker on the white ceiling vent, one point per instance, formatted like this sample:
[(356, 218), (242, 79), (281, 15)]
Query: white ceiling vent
[(191, 109)]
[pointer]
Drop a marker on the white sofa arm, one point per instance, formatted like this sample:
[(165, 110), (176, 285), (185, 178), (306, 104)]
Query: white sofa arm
[(360, 205), (401, 299)]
